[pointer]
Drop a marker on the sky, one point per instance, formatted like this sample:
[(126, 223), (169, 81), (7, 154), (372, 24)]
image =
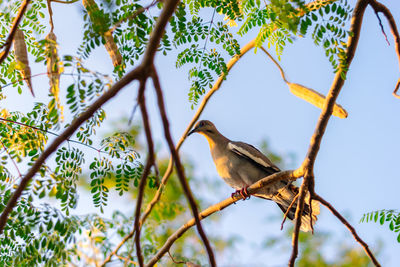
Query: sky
[(357, 168)]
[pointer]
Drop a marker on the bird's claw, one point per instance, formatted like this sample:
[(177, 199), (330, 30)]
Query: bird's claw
[(243, 192)]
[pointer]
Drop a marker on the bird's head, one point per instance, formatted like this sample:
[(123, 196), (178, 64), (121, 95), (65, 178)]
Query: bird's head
[(204, 127)]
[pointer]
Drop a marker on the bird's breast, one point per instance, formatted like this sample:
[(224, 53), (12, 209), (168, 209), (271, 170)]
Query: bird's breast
[(222, 165)]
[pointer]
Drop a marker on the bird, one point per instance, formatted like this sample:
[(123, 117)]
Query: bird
[(240, 165)]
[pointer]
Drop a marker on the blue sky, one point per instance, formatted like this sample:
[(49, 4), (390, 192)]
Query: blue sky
[(357, 168)]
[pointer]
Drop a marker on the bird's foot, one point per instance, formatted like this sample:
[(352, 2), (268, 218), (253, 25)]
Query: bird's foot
[(243, 192)]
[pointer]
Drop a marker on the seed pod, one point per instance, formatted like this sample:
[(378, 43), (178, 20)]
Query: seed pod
[(54, 69), (110, 45), (315, 98), (21, 56)]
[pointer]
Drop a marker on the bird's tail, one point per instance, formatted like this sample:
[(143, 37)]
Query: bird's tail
[(285, 197)]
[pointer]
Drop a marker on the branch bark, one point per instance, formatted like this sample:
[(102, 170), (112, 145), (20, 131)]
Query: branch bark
[(146, 171), (179, 168), (381, 8), (9, 40)]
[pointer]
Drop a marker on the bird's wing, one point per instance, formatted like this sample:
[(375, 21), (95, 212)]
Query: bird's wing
[(252, 154)]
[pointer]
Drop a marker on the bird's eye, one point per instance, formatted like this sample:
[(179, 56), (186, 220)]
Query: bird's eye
[(201, 124)]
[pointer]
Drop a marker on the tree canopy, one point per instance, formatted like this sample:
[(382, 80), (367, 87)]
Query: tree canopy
[(52, 153)]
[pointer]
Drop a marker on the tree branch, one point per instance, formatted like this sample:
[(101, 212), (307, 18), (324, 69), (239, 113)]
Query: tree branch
[(296, 231), (132, 16), (14, 27), (64, 2), (146, 171), (180, 169), (292, 175), (338, 82), (380, 8), (348, 225)]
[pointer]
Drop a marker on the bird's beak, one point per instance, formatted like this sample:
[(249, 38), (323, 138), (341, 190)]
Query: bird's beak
[(192, 131)]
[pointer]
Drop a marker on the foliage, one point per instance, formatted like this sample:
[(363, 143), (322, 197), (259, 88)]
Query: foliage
[(392, 217), (37, 234)]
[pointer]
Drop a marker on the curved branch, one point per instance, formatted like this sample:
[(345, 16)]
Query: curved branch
[(348, 225), (146, 171), (14, 27), (292, 175), (381, 8)]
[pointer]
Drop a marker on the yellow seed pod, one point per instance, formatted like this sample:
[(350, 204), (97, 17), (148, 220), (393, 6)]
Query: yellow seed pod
[(54, 69), (315, 98), (21, 56), (110, 45)]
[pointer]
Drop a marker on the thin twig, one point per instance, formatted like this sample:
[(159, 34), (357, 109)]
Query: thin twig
[(50, 15), (276, 63), (64, 2), (134, 15), (379, 7), (179, 168), (126, 260), (8, 42), (382, 29), (349, 227), (176, 262), (310, 207), (132, 113), (396, 88), (288, 210), (290, 175), (146, 171)]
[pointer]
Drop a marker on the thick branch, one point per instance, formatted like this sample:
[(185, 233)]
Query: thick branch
[(337, 85), (146, 171), (180, 169), (338, 82), (132, 75), (7, 44), (291, 175), (348, 225), (296, 230)]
